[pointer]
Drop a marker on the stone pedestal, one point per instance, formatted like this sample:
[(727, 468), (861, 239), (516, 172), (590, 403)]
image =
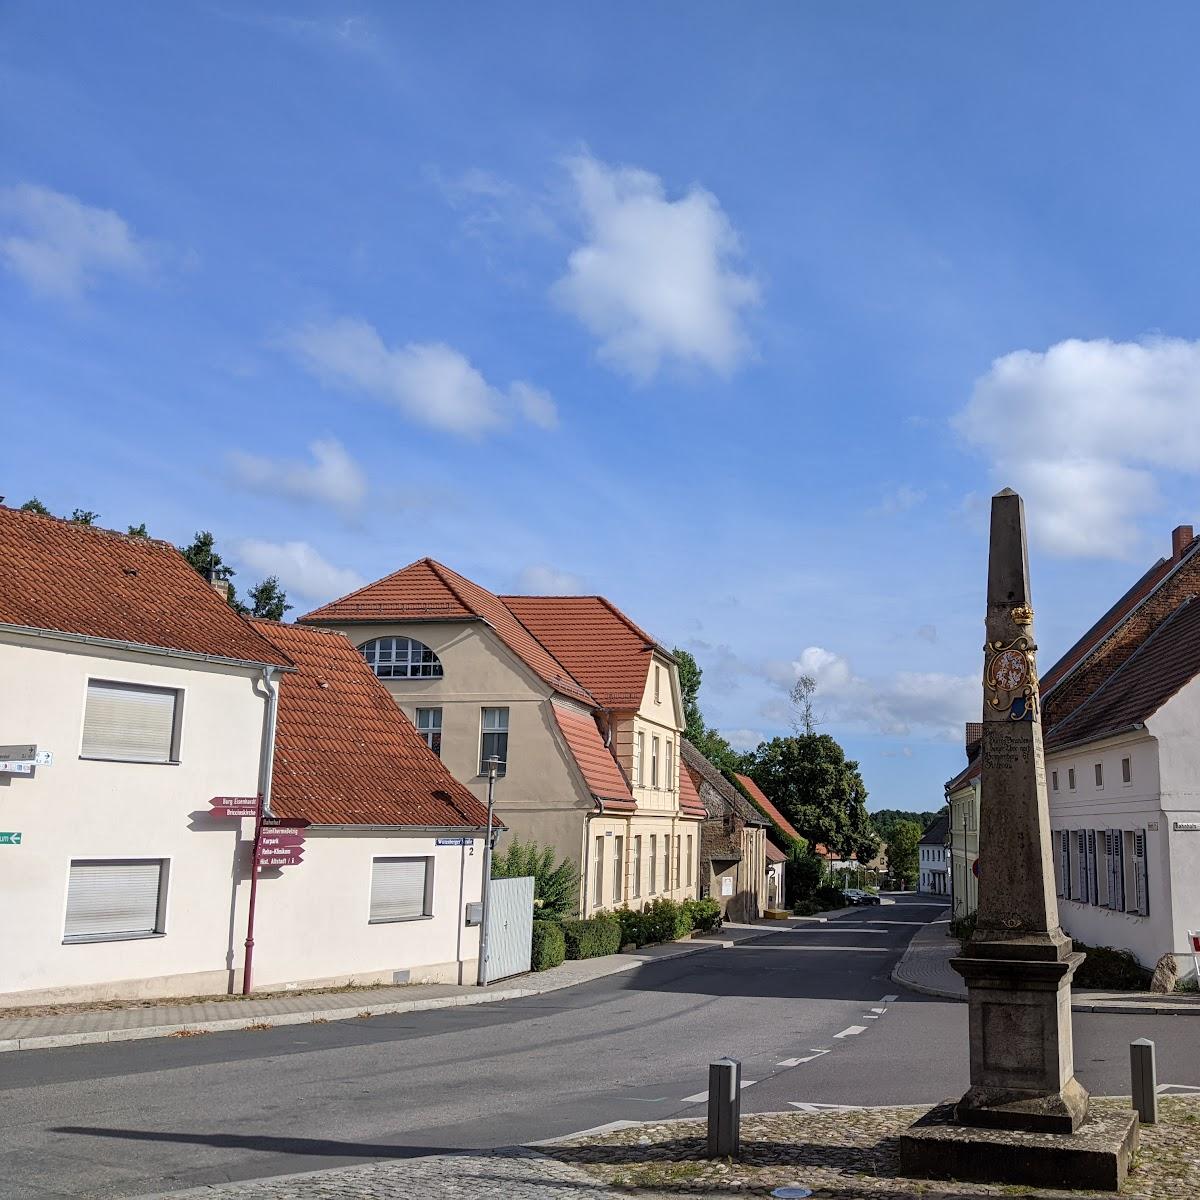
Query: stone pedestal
[(1022, 1060)]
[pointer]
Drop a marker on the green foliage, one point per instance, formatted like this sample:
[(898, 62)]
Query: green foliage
[(203, 556), (633, 926), (806, 908), (819, 790), (549, 945), (709, 742), (902, 852), (138, 530), (593, 938), (829, 897), (666, 921), (703, 915), (885, 820), (555, 887), (34, 505), (963, 927), (802, 876), (1107, 968), (84, 516), (268, 600)]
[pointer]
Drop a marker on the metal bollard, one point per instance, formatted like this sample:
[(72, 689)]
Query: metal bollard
[(724, 1108), (1144, 1079)]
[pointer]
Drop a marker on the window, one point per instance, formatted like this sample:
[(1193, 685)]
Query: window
[(670, 765), (1071, 779), (635, 883), (598, 886), (494, 740), (666, 862), (131, 723), (1115, 855), (657, 684), (639, 760), (678, 852), (1054, 780), (1126, 770), (429, 725), (115, 899), (653, 864), (618, 870), (654, 762), (401, 658), (401, 889), (689, 861), (1099, 775), (1140, 881)]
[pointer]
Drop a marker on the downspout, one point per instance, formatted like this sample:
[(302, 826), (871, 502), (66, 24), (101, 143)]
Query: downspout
[(265, 774)]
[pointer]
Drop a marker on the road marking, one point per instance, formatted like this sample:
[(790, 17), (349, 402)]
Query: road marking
[(889, 999), (795, 1062), (879, 1011), (611, 1127), (1176, 1087), (821, 949), (699, 1097), (852, 1031), (815, 1108)]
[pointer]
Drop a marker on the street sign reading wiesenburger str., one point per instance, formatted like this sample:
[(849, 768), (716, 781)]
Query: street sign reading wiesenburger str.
[(10, 839)]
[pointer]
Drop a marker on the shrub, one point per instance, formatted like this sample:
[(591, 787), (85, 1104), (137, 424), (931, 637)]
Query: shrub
[(549, 945), (593, 938), (666, 921), (803, 875), (806, 908), (704, 915), (1105, 967), (633, 926), (963, 927), (828, 897), (555, 888)]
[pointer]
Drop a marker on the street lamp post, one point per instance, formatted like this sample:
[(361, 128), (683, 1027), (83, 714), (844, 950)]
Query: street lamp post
[(492, 764)]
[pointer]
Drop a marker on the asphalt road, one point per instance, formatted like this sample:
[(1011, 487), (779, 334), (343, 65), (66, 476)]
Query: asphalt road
[(811, 1014)]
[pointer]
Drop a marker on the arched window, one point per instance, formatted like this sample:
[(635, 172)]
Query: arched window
[(401, 658)]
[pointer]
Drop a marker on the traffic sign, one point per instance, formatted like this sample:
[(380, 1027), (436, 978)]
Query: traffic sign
[(975, 868), (285, 824), (10, 839), (280, 841), (23, 752), (463, 841), (234, 806), (284, 858), (11, 767)]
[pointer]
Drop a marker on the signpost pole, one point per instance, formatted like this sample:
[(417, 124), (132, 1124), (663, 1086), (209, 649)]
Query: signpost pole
[(247, 969), (487, 873)]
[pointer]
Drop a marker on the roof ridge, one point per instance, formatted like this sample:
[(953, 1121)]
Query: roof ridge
[(359, 590), (142, 539), (437, 568)]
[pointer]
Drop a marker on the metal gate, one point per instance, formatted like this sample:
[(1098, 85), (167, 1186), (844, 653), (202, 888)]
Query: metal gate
[(510, 927)]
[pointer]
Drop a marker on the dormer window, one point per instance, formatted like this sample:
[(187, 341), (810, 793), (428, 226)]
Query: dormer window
[(401, 658)]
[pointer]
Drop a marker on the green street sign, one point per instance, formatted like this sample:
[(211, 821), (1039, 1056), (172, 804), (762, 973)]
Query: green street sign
[(10, 839)]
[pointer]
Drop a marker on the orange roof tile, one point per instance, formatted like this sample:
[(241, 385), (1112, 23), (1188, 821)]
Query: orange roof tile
[(604, 777), (57, 575), (690, 803), (769, 810), (344, 752), (428, 591), (595, 641)]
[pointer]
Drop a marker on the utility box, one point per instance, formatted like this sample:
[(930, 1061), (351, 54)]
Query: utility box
[(475, 912)]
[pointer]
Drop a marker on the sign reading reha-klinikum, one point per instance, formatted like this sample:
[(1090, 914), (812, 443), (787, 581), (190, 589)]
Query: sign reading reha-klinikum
[(10, 839)]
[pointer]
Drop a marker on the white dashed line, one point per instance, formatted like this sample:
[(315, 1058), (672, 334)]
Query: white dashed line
[(792, 1062), (814, 1108), (852, 1031), (699, 1097), (889, 999), (879, 1011)]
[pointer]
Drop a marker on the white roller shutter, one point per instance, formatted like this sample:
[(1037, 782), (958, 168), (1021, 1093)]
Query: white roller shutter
[(116, 898), (128, 722), (399, 887)]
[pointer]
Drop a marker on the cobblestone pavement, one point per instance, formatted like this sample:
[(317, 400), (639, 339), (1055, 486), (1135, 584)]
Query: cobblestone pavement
[(503, 1175)]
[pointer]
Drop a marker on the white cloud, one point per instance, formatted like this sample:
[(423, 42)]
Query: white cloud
[(1081, 431), (299, 568), (744, 739), (332, 478), (901, 500), (654, 279), (429, 382), (929, 701), (540, 580), (59, 246)]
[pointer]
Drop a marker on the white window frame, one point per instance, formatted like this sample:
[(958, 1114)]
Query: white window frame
[(1099, 775), (484, 732), (666, 862), (1070, 779), (1127, 771), (635, 871), (691, 874), (129, 685), (654, 761), (426, 913), (639, 758), (670, 765), (653, 889), (598, 873), (160, 916), (657, 684), (618, 887), (1054, 781), (431, 733), (418, 660)]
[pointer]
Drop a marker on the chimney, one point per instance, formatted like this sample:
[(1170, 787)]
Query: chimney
[(1181, 539), (221, 587), (974, 738)]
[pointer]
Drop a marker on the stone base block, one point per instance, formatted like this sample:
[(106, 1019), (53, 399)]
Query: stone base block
[(1095, 1158)]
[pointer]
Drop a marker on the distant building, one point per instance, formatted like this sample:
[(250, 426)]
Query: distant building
[(934, 860)]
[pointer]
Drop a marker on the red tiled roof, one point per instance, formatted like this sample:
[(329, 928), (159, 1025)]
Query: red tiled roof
[(769, 810), (344, 752), (690, 804), (428, 591), (774, 854), (599, 768), (597, 643), (70, 578)]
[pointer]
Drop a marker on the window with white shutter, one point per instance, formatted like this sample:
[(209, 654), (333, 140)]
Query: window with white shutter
[(115, 899), (1079, 871), (1093, 896), (401, 889), (1140, 874), (1116, 883), (1102, 867), (1062, 866), (130, 723)]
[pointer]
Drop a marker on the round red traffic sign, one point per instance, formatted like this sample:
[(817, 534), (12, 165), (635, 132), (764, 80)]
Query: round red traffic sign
[(975, 868)]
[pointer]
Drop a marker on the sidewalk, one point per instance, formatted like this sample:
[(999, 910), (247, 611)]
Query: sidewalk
[(284, 1008), (925, 968)]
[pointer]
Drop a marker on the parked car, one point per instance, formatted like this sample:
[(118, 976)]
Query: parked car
[(858, 896), (869, 898)]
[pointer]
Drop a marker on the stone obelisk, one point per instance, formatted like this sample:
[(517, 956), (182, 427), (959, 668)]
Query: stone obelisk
[(1018, 964)]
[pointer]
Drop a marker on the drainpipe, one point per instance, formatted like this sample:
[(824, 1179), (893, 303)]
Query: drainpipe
[(265, 773)]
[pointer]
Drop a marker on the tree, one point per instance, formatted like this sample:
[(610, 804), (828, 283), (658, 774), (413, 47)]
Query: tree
[(202, 554), (269, 600), (802, 701), (708, 741), (902, 852), (34, 505), (885, 820), (84, 516), (555, 888), (803, 876), (810, 780), (138, 530)]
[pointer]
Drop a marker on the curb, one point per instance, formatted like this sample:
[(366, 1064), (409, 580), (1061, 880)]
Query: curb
[(54, 1041)]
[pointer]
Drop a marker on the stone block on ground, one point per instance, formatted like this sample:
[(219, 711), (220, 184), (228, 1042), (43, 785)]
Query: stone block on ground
[(1166, 975)]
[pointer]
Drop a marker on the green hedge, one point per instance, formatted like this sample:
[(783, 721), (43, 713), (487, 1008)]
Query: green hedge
[(594, 937), (1106, 968), (549, 945), (703, 915)]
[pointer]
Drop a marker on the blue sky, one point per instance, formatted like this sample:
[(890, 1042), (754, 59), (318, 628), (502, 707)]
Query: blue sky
[(736, 314)]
